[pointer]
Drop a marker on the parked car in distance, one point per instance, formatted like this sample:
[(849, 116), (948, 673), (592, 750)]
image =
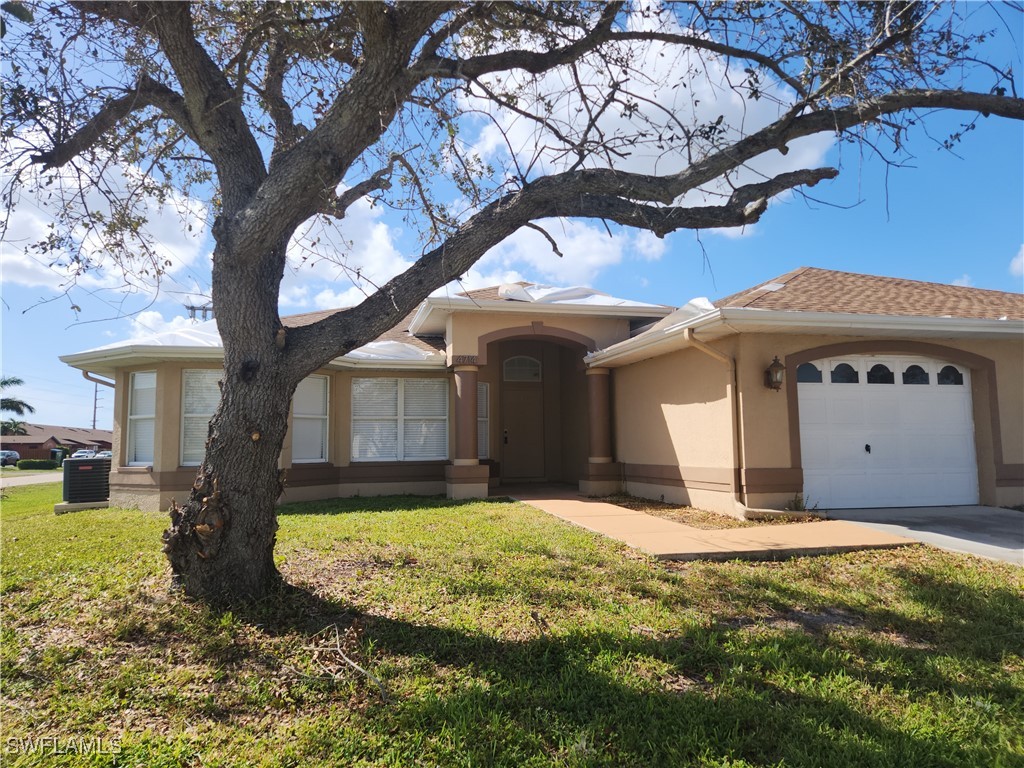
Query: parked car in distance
[(105, 455), (84, 453), (9, 457)]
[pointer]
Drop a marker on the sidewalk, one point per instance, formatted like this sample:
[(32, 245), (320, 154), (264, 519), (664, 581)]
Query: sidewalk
[(668, 540), (10, 481)]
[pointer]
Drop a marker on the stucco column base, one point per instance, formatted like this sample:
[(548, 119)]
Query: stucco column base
[(601, 478), (467, 481)]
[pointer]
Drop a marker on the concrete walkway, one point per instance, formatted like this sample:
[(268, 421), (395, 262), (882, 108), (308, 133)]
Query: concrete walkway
[(10, 481), (668, 540)]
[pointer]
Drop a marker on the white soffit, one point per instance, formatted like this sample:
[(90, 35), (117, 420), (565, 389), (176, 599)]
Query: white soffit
[(720, 323), (202, 342)]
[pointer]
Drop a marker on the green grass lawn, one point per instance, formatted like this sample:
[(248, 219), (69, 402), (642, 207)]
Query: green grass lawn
[(501, 637)]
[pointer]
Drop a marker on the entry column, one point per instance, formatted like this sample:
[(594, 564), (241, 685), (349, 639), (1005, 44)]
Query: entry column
[(466, 478), (602, 475)]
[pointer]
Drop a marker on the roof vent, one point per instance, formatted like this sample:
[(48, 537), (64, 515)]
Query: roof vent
[(772, 287)]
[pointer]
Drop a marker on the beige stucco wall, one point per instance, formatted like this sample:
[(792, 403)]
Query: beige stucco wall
[(671, 412), (465, 329), (672, 425)]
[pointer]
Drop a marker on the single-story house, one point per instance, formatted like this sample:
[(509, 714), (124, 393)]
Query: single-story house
[(845, 390), (40, 438)]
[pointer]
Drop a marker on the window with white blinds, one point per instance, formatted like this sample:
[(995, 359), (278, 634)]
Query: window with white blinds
[(199, 397), (483, 429), (309, 420), (141, 419), (399, 419)]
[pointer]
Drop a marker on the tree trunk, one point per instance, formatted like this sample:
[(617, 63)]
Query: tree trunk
[(221, 541)]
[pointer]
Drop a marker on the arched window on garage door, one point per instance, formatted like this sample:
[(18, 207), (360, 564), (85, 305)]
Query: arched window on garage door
[(808, 373), (950, 375), (844, 373), (915, 374)]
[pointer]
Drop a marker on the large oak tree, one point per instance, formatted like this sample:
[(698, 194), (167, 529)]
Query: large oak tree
[(291, 111)]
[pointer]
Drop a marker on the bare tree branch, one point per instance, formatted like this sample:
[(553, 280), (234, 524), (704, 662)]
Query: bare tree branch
[(213, 107), (147, 93), (338, 206), (534, 62), (707, 44)]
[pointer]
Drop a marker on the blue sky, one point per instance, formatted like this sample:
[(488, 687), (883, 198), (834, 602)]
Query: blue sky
[(954, 217)]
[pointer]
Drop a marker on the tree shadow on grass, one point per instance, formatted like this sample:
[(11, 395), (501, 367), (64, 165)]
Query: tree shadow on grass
[(600, 698)]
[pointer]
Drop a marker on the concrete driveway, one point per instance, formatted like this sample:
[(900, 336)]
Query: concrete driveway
[(990, 532)]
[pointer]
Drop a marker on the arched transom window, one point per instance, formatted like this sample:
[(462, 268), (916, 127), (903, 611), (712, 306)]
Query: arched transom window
[(522, 368)]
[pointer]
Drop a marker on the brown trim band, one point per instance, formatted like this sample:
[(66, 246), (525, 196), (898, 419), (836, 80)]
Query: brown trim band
[(753, 479), (773, 480), (977, 363), (461, 474), (698, 478), (303, 475), (1009, 475), (609, 470)]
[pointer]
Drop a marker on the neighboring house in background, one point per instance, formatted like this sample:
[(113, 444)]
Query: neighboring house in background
[(40, 438), (894, 392)]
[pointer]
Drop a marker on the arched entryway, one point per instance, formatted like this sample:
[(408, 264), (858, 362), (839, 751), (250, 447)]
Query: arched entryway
[(528, 410), (540, 407)]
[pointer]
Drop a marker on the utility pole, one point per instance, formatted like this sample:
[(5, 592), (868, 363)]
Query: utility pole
[(95, 400), (194, 312)]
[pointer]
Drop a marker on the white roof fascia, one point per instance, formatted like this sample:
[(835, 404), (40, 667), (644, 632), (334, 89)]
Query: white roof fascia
[(429, 364), (104, 357), (808, 321), (110, 358), (445, 306), (738, 319)]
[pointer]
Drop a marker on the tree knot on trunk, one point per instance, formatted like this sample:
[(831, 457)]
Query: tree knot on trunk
[(248, 370), (199, 526)]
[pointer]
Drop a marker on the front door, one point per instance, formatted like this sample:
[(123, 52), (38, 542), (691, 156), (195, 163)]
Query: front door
[(522, 438)]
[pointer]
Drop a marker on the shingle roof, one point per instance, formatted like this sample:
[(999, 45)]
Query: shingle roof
[(488, 294), (810, 289), (399, 333), (38, 433)]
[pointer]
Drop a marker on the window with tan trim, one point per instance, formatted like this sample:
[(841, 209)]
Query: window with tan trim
[(200, 394), (310, 421), (141, 419), (399, 419)]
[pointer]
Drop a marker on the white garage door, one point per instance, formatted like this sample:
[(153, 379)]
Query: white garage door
[(886, 432)]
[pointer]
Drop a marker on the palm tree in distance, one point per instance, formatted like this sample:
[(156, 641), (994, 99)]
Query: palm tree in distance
[(13, 404), (12, 427)]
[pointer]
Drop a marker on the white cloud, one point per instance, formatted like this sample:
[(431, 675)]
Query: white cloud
[(587, 250), (153, 321), (963, 281), (176, 229), (1017, 263), (337, 263), (667, 85)]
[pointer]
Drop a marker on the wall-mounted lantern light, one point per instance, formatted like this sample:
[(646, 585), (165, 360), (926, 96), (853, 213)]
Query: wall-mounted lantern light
[(774, 375)]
